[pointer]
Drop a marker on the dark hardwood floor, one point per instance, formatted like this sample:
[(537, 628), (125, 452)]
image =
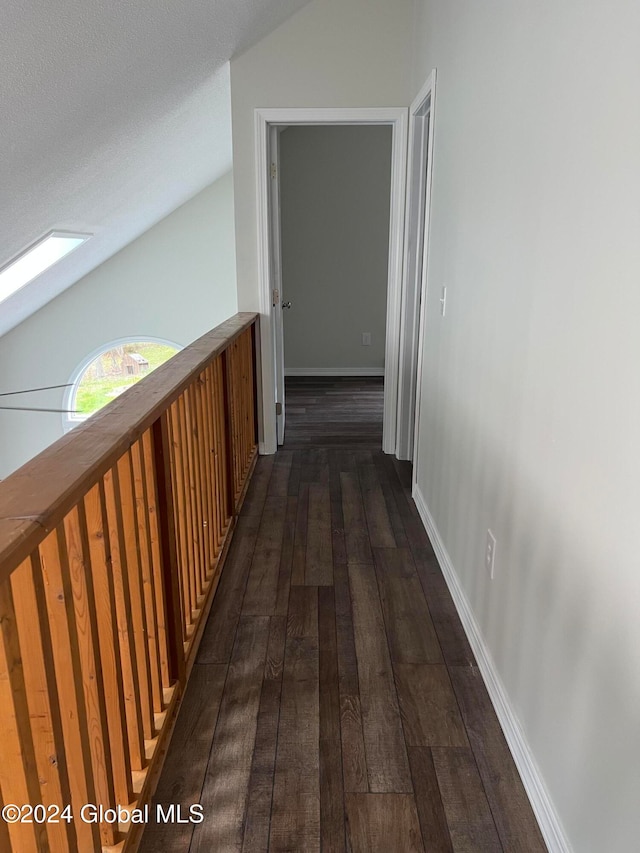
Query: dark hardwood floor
[(335, 704), (333, 412)]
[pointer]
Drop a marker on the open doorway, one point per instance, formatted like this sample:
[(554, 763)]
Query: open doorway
[(335, 195), (273, 296)]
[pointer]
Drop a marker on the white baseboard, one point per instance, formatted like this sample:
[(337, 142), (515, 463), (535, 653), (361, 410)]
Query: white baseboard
[(532, 780), (334, 371)]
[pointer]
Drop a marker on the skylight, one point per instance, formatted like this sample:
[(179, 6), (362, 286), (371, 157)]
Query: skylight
[(36, 259)]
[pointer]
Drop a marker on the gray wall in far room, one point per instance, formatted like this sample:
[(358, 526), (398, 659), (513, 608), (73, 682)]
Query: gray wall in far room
[(335, 193)]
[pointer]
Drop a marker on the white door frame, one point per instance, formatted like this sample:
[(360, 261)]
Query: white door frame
[(427, 91), (420, 159), (396, 118)]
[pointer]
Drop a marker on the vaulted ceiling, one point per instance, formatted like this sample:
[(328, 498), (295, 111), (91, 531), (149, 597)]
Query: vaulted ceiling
[(113, 113)]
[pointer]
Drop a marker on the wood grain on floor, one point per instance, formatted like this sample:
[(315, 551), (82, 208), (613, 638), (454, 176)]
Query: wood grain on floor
[(335, 704)]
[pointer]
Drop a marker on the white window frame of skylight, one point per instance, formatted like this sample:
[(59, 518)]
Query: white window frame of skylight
[(33, 261)]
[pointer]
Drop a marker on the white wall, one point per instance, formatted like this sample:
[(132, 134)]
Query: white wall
[(335, 192), (176, 282), (531, 414), (333, 53)]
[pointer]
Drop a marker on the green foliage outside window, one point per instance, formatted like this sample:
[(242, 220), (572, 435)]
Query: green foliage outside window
[(114, 371)]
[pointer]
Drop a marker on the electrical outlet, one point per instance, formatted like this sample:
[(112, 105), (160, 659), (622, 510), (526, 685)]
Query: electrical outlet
[(366, 339), (490, 554)]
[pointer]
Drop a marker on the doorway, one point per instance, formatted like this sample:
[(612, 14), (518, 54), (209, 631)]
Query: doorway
[(334, 189), (270, 266)]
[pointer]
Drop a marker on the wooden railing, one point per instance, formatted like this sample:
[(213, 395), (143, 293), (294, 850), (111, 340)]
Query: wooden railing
[(111, 544)]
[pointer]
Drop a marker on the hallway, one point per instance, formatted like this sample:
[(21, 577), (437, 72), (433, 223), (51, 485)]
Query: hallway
[(335, 703)]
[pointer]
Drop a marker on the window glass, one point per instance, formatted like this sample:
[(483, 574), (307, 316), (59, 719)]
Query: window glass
[(114, 370)]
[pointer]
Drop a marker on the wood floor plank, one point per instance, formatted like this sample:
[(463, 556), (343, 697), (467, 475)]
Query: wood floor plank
[(375, 507), (219, 633), (469, 818), (403, 471), (426, 559), (355, 523), (295, 817), (294, 474), (300, 539), (280, 473), (254, 500), (302, 619), (414, 529), (505, 792), (260, 794), (332, 824), (338, 541), (261, 594), (412, 636), (433, 821), (184, 769), (338, 544), (451, 635), (314, 466), (319, 557), (395, 518), (354, 761), (387, 763), (274, 663), (380, 823), (430, 712), (286, 557), (224, 794)]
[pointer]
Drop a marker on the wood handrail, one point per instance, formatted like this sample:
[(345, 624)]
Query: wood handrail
[(112, 541), (38, 495)]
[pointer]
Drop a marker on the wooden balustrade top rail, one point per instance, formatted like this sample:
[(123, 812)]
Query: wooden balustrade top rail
[(36, 498)]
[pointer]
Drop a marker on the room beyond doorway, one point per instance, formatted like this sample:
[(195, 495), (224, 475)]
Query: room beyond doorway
[(335, 185)]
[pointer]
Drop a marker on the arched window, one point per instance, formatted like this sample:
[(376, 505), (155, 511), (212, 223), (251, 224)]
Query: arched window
[(109, 371)]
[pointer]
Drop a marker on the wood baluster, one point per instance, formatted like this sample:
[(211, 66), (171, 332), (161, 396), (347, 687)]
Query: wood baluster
[(230, 443), (213, 460), (135, 734), (254, 385), (206, 476), (69, 677), (110, 654), (156, 559), (221, 458), (142, 513), (191, 513), (244, 412), (18, 770), (42, 698), (76, 547), (196, 448), (167, 545), (180, 492), (138, 616)]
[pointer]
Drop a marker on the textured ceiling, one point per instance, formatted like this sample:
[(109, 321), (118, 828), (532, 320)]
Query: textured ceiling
[(113, 114)]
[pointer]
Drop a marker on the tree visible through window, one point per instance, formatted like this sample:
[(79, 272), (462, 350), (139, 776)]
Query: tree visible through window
[(115, 370)]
